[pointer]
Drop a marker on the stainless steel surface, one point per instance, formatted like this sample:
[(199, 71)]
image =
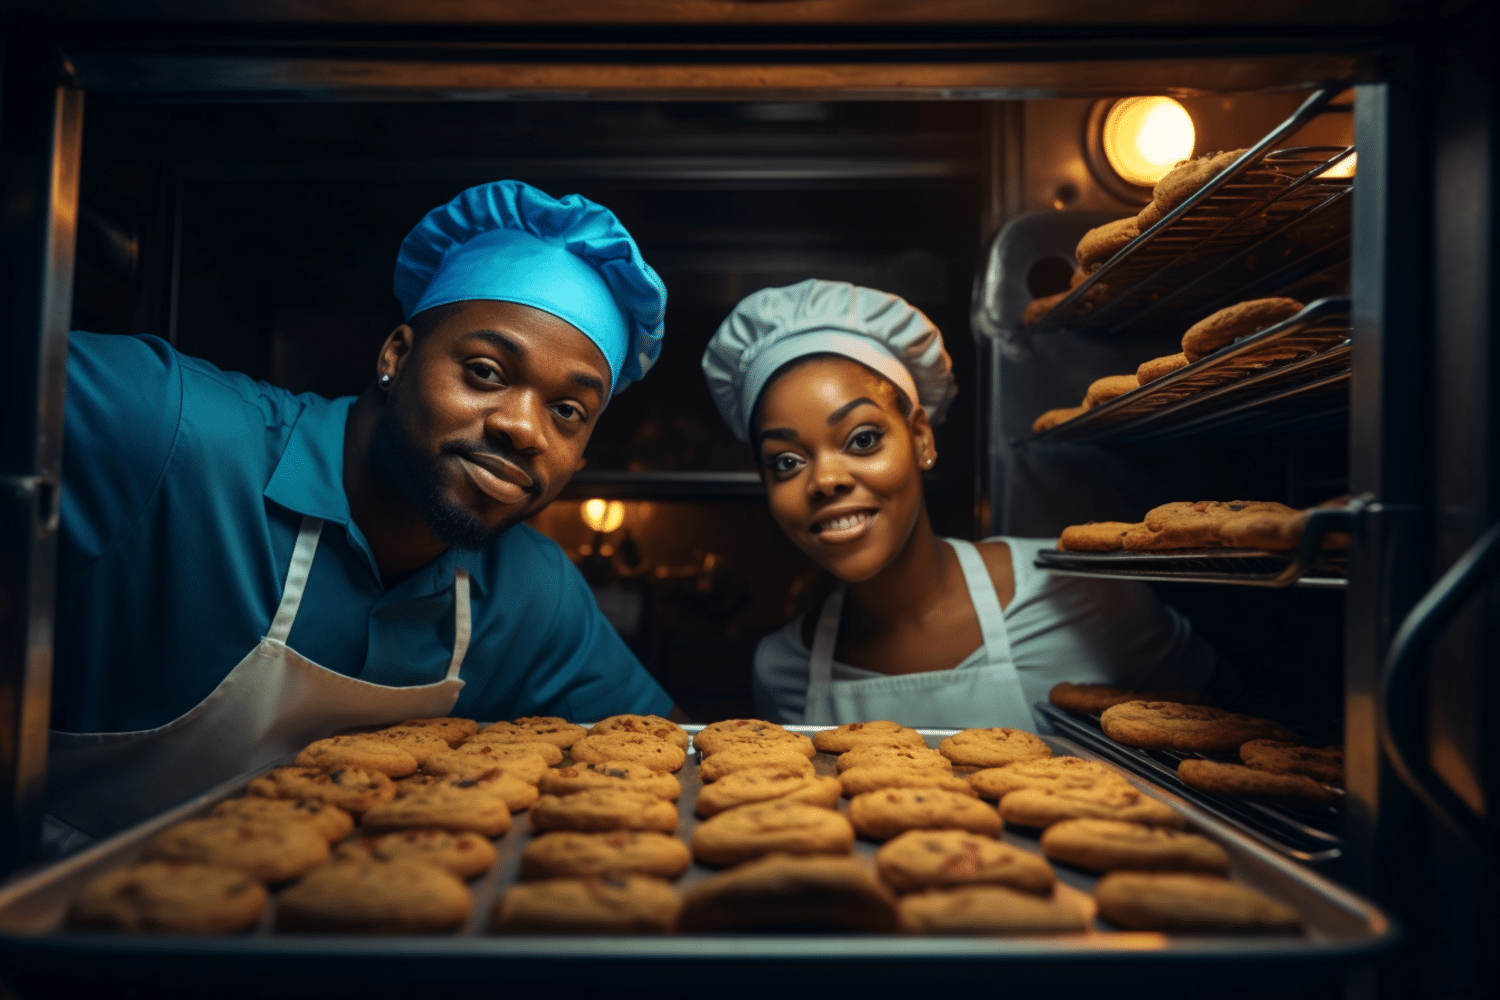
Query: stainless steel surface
[(43, 116), (1338, 922), (1389, 560), (1313, 835)]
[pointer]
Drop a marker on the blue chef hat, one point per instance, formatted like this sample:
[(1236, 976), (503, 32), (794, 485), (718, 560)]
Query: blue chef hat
[(510, 242)]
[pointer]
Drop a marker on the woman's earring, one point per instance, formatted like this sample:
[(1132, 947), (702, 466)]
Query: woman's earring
[(385, 381)]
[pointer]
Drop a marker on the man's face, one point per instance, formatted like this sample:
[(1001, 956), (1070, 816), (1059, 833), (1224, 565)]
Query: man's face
[(487, 416)]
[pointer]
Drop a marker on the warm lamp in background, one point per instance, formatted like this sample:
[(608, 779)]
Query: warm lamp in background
[(1144, 136), (603, 516)]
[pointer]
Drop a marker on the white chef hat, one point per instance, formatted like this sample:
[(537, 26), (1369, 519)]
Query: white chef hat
[(776, 325)]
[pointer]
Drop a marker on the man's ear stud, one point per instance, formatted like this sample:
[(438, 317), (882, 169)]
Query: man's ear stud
[(385, 381)]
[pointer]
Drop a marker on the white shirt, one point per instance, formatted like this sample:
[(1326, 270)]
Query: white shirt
[(1061, 628)]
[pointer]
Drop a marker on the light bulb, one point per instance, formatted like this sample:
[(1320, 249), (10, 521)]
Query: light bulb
[(1145, 136), (603, 516)]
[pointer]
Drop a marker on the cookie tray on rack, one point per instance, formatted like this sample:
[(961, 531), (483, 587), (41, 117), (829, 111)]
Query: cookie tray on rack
[(40, 956), (1313, 835)]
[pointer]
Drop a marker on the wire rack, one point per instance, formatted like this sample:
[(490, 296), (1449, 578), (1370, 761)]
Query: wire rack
[(1306, 359), (1273, 217), (1312, 834), (1245, 567), (1319, 560)]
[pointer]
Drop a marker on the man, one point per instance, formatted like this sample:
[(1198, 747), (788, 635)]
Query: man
[(243, 570)]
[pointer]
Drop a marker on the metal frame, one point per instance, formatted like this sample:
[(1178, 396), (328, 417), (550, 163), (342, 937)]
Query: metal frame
[(132, 54), (43, 117)]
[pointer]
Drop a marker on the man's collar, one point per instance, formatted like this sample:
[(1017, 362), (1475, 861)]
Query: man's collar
[(309, 479)]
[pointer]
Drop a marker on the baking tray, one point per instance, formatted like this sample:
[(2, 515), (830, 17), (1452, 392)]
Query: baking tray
[(1312, 835), (40, 956)]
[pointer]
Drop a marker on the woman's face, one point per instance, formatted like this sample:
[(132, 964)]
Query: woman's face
[(842, 465)]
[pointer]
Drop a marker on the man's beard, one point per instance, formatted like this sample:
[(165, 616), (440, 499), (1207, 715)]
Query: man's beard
[(419, 477)]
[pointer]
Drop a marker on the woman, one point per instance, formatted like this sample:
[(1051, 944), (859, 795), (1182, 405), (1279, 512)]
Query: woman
[(837, 389)]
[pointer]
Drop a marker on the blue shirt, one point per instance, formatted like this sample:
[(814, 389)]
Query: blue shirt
[(183, 491)]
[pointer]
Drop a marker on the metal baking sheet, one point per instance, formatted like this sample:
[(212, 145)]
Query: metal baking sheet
[(34, 941)]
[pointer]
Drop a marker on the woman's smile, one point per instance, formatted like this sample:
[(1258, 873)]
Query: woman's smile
[(845, 526)]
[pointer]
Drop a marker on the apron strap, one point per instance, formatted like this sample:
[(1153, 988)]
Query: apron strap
[(986, 602), (296, 579), (462, 622), (820, 663)]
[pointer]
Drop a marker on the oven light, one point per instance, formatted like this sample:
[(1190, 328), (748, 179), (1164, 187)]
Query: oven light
[(603, 516), (1144, 136)]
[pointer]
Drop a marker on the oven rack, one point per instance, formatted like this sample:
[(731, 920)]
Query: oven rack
[(1236, 384), (1312, 564), (1244, 567), (1242, 235), (1312, 835)]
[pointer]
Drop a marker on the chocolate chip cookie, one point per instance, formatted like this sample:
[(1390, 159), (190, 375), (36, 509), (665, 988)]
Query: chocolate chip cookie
[(1103, 845), (657, 754), (994, 747), (1041, 807), (1052, 772), (1091, 699), (333, 823), (927, 859), (1155, 901), (604, 809), (170, 897), (1240, 782), (364, 752), (1168, 725), (762, 784), (653, 726), (621, 774), (350, 788), (537, 729), (790, 893), (379, 897), (463, 854), (769, 827), (722, 735), (881, 732), (271, 852), (1325, 764), (987, 909), (883, 814), (646, 852), (608, 903)]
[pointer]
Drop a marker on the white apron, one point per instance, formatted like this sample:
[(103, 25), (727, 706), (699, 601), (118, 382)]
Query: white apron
[(974, 697), (273, 702)]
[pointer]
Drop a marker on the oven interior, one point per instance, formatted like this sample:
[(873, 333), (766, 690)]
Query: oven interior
[(262, 236)]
